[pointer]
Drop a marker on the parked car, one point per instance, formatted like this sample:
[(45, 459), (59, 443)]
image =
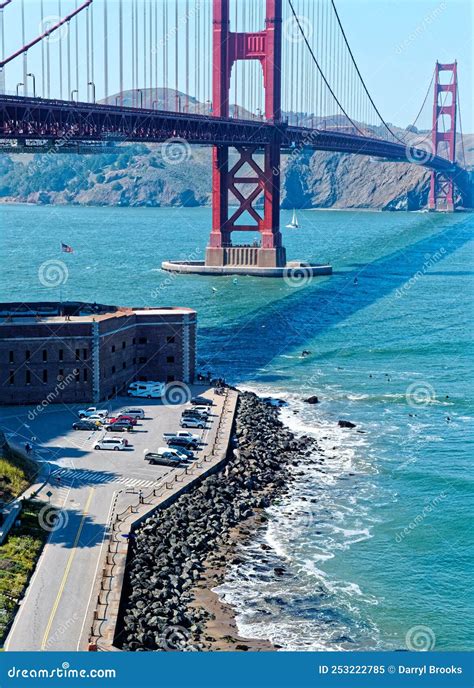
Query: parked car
[(165, 456), (85, 425), (93, 411), (127, 419), (182, 439), (193, 422), (133, 411), (193, 413), (98, 420), (202, 401), (119, 426), (185, 453), (115, 443)]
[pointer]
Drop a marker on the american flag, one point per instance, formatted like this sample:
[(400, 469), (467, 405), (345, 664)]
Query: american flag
[(66, 249)]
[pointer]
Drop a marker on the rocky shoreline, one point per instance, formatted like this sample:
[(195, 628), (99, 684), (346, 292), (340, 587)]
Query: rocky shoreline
[(181, 552)]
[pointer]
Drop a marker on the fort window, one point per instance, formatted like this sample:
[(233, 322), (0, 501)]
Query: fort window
[(123, 345), (113, 370), (124, 365), (170, 340), (170, 359), (85, 375), (45, 375), (28, 377), (11, 378), (60, 374), (142, 340), (85, 354), (112, 348), (142, 359), (45, 355), (27, 355), (61, 354), (77, 374), (12, 357), (78, 354)]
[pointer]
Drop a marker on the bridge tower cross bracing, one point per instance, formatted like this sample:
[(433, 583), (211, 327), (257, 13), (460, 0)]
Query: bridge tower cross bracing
[(441, 196), (228, 47)]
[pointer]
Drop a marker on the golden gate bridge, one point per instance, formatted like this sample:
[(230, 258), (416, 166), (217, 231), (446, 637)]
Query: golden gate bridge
[(261, 77)]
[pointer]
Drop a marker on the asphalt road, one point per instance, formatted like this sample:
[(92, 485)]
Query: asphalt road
[(82, 483)]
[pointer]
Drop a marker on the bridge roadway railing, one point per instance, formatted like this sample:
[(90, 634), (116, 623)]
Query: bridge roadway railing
[(102, 629), (65, 122)]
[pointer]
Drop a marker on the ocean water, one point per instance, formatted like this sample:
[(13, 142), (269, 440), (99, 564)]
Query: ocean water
[(375, 533)]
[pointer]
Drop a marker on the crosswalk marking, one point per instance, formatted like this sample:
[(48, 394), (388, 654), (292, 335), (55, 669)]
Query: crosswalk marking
[(69, 477)]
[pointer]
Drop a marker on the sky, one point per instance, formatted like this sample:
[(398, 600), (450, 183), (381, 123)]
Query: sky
[(396, 44)]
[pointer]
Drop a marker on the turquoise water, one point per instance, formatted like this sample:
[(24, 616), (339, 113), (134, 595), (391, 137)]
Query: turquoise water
[(376, 541)]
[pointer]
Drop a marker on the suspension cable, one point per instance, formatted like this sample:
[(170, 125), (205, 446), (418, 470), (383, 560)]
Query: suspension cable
[(319, 68), (359, 74)]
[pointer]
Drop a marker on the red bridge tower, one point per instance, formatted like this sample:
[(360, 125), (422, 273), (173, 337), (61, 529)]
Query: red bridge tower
[(442, 188), (228, 47)]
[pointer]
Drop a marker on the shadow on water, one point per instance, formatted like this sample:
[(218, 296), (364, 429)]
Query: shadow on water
[(282, 326)]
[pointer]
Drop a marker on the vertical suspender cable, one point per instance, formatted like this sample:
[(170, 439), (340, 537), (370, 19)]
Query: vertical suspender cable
[(150, 55), (187, 55), (92, 46), (136, 50), (88, 74), (69, 84), (176, 52), (121, 51), (25, 54), (76, 26), (134, 86), (165, 64), (144, 52), (106, 53), (156, 51), (43, 90), (60, 50), (204, 46)]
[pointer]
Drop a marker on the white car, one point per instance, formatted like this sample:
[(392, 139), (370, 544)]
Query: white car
[(115, 443), (96, 418), (93, 411)]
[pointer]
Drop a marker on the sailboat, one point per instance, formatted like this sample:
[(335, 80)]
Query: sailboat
[(294, 222)]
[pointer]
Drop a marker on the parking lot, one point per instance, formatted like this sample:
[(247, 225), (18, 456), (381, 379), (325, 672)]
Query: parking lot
[(84, 484), (72, 456)]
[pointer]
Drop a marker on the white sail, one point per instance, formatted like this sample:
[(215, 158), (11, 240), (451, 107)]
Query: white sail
[(294, 221)]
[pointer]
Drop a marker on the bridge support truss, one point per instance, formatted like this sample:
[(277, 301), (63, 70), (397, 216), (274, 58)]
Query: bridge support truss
[(441, 195), (248, 179)]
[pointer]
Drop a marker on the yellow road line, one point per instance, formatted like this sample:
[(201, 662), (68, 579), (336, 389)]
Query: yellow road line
[(66, 572)]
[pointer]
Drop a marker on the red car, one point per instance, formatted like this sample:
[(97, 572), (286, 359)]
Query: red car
[(127, 419)]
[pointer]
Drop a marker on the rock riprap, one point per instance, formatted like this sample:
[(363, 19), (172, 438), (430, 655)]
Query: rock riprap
[(171, 547)]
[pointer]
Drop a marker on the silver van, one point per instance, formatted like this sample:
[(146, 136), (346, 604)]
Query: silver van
[(115, 443)]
